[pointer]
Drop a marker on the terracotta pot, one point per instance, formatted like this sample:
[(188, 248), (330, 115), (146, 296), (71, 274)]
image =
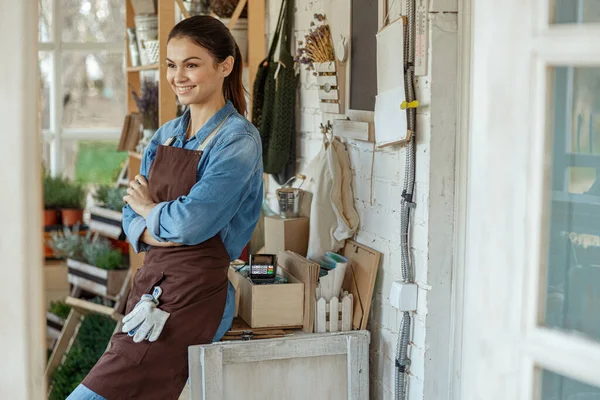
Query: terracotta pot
[(70, 216), (122, 245), (50, 217)]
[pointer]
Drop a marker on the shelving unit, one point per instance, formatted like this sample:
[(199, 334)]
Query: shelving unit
[(166, 10)]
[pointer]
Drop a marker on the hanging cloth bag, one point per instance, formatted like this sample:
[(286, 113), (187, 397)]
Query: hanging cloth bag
[(274, 102)]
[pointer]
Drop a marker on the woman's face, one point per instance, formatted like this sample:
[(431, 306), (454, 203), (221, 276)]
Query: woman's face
[(194, 75)]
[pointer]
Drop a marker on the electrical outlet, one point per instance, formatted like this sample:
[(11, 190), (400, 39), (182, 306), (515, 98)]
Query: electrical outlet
[(404, 296)]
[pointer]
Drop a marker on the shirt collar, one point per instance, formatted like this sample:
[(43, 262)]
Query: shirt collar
[(208, 127)]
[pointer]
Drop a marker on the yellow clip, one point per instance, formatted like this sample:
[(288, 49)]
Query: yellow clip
[(412, 104)]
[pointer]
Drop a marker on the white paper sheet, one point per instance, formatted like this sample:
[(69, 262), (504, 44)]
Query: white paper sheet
[(390, 120)]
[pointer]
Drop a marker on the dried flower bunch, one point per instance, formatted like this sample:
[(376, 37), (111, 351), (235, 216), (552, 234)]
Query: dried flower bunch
[(147, 103), (317, 45), (225, 8)]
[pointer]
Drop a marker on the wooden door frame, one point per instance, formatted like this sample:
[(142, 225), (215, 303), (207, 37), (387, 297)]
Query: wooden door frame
[(22, 296)]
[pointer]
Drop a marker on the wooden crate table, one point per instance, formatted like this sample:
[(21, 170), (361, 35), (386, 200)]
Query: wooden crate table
[(333, 366)]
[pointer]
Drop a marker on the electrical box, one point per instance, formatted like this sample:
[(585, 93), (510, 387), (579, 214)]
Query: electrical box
[(404, 296)]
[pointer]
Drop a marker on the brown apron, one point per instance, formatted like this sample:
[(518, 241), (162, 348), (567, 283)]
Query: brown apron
[(194, 284)]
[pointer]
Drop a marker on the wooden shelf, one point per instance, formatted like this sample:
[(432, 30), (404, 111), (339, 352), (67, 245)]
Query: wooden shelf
[(142, 68)]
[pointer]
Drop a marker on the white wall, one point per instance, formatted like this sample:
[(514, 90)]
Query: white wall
[(378, 180)]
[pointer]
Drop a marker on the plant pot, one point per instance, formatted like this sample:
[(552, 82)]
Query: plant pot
[(122, 245), (70, 216), (240, 34), (50, 217), (96, 280)]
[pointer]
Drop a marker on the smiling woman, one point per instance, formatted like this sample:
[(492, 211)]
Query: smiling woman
[(192, 208)]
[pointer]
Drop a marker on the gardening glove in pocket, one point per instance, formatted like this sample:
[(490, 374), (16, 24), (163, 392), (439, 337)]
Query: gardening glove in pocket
[(146, 321)]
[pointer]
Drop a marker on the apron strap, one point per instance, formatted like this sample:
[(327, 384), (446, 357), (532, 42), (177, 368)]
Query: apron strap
[(208, 139)]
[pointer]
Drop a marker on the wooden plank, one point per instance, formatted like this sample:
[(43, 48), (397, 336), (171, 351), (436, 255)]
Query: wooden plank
[(358, 367), (139, 68), (352, 129), (347, 313), (195, 354), (334, 314), (133, 77), (331, 95), (332, 108), (212, 373), (363, 262), (257, 44), (73, 321), (325, 67), (236, 13), (166, 98), (321, 317), (322, 80), (88, 269), (182, 8), (84, 306), (302, 346)]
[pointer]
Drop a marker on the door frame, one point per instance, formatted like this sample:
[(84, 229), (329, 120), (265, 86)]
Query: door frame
[(22, 296), (500, 345)]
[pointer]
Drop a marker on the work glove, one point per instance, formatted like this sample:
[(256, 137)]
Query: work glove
[(146, 321)]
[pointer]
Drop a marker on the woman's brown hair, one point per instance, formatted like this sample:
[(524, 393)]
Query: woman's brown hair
[(214, 36)]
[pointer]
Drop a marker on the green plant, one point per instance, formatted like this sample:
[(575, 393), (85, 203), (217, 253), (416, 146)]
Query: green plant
[(101, 254), (225, 8), (60, 309), (88, 347), (68, 243), (52, 191), (110, 197), (72, 195)]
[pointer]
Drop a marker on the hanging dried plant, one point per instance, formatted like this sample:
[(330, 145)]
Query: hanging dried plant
[(317, 45), (225, 8)]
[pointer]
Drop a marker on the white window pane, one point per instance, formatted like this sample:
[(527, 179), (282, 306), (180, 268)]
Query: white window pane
[(94, 90), (45, 21), (92, 20), (558, 387), (45, 68), (573, 293), (576, 11)]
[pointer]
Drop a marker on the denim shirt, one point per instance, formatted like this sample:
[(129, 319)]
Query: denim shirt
[(227, 197)]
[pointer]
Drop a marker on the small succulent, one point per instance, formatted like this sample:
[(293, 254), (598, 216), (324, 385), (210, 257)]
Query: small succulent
[(101, 254), (110, 197), (68, 243)]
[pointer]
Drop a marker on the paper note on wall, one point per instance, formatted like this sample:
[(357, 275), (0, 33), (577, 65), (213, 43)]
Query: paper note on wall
[(390, 120)]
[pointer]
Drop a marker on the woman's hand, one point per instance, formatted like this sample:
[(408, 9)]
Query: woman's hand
[(138, 196)]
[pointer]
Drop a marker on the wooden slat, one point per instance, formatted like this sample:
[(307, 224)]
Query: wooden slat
[(324, 79), (236, 14), (148, 67), (73, 321), (333, 108), (352, 129), (358, 367), (84, 306), (257, 46), (166, 98), (331, 95), (182, 8), (133, 77)]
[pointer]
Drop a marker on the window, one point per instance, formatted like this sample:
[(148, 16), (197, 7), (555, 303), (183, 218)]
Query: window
[(82, 84)]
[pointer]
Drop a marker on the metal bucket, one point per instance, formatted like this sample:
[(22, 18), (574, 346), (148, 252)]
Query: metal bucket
[(289, 202)]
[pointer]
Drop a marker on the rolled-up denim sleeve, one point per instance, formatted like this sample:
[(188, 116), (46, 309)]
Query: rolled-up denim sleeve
[(134, 225), (212, 201)]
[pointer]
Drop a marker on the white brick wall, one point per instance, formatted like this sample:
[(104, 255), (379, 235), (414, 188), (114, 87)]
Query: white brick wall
[(378, 180)]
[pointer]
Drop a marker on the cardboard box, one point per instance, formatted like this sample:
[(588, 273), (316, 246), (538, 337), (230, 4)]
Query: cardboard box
[(283, 234), (276, 305)]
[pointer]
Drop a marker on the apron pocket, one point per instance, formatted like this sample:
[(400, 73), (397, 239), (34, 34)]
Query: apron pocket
[(125, 347)]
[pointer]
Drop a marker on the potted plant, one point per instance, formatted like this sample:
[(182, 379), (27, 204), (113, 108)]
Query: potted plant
[(106, 215), (93, 264), (72, 202), (224, 10), (52, 191)]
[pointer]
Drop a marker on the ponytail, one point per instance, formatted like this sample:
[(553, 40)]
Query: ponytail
[(233, 87)]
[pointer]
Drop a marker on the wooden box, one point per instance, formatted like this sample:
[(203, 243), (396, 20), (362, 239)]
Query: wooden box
[(107, 222), (272, 305), (96, 280), (283, 234), (332, 366)]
